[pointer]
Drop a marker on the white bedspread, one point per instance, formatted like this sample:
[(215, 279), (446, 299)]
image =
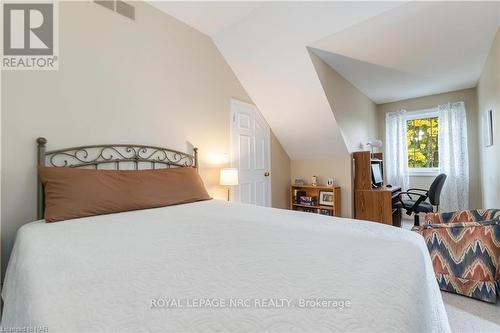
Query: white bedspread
[(116, 273)]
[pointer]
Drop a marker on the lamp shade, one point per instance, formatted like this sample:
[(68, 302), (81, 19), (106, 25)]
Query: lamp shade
[(375, 143), (228, 176)]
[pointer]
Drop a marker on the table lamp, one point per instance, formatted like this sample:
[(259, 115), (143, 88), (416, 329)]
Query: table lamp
[(228, 177), (374, 144)]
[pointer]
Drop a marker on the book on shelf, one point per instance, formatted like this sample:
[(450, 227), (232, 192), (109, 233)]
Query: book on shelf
[(308, 201), (298, 194), (325, 212)]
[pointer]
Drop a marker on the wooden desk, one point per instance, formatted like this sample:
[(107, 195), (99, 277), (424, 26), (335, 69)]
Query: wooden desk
[(373, 204), (378, 205)]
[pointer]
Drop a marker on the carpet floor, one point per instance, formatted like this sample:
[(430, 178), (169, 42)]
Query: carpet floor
[(470, 315)]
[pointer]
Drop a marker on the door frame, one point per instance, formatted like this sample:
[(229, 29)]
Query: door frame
[(234, 102)]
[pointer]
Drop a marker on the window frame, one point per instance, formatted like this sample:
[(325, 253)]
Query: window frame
[(420, 114)]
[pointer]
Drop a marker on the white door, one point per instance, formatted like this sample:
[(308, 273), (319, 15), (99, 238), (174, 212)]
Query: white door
[(250, 154)]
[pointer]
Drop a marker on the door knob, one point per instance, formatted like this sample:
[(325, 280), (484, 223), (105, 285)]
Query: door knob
[(266, 173)]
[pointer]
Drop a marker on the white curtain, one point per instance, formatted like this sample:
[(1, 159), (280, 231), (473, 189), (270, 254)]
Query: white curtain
[(453, 156), (396, 157)]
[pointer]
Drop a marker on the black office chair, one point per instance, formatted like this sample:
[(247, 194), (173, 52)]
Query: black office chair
[(420, 205)]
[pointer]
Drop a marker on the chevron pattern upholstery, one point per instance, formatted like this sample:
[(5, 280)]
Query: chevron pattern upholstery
[(473, 215), (465, 251)]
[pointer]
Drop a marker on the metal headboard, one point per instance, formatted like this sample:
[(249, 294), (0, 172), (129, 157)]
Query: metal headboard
[(114, 155)]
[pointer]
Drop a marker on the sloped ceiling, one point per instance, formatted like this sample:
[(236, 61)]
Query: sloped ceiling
[(267, 51), (388, 50), (418, 49), (208, 17)]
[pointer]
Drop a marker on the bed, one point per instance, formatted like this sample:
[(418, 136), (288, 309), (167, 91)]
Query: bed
[(219, 266)]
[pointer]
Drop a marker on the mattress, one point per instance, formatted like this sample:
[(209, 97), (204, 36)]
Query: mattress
[(218, 266)]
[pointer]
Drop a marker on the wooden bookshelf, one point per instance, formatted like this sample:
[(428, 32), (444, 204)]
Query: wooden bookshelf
[(313, 191)]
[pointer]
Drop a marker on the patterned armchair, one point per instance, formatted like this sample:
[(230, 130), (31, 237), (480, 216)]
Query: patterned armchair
[(465, 251)]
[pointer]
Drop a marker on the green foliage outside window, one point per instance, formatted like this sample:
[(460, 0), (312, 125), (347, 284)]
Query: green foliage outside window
[(422, 140)]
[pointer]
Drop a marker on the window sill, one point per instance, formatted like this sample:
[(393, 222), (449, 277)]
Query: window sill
[(423, 172)]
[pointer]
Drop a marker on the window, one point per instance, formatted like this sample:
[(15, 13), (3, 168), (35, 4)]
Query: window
[(422, 130)]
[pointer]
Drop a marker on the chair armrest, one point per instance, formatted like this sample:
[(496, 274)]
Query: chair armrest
[(473, 215), (433, 218), (422, 197), (460, 224), (418, 190), (427, 229), (413, 191)]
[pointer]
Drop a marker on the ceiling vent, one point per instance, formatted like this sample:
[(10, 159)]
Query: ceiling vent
[(121, 7)]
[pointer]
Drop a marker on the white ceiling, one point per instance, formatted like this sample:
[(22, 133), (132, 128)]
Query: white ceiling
[(389, 50), (414, 50), (267, 51), (208, 17)]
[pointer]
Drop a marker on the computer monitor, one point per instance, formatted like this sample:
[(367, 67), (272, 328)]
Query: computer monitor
[(377, 173)]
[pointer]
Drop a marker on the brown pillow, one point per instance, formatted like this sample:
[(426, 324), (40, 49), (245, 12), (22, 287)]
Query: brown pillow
[(72, 193)]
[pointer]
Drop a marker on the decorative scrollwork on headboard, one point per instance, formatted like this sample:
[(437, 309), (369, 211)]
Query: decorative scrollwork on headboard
[(115, 155)]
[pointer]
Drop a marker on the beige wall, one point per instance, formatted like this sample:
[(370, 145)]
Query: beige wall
[(356, 116), (468, 96), (150, 81), (338, 169), (355, 113), (488, 93), (280, 174)]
